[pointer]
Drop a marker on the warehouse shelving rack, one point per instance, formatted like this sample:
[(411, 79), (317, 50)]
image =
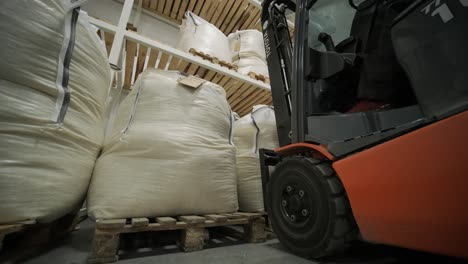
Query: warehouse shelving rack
[(130, 53)]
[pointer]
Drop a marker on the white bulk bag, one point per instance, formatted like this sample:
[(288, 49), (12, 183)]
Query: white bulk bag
[(48, 144), (252, 64), (247, 43), (170, 153), (252, 132), (199, 34)]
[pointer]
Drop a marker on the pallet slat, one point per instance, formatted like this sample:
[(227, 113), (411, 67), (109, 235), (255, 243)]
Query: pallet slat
[(137, 222), (217, 218), (191, 219), (112, 223), (166, 220)]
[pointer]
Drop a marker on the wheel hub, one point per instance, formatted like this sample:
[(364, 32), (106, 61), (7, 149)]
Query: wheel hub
[(294, 205)]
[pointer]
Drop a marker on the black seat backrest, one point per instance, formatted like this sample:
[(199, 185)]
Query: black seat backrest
[(381, 77)]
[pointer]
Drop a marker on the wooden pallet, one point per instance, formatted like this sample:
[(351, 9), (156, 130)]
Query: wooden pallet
[(107, 232), (213, 59), (19, 240), (259, 77)]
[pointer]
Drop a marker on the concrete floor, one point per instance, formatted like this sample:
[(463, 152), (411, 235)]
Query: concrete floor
[(75, 249)]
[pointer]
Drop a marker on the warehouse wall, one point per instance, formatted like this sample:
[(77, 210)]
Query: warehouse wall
[(109, 11)]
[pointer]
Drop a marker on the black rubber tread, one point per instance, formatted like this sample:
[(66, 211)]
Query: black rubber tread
[(341, 226)]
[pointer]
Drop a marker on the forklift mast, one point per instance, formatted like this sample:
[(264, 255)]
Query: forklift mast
[(279, 54)]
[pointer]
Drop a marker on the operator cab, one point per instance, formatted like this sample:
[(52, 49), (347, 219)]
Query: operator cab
[(359, 93)]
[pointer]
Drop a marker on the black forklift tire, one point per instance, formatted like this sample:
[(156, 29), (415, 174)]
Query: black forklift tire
[(309, 208)]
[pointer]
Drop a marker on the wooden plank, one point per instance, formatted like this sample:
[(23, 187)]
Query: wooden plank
[(258, 93), (191, 219), (183, 66), (136, 222), (218, 10), (191, 5), (109, 224), (154, 4), (154, 227), (223, 81), (205, 9), (255, 12), (231, 6), (217, 218), (193, 69), (131, 48), (163, 61), (182, 9), (234, 89), (175, 9), (246, 14), (209, 75), (167, 8), (160, 9), (242, 96), (254, 22), (231, 14), (235, 18), (217, 78), (146, 3), (254, 100), (198, 7), (216, 7), (201, 72), (141, 60), (232, 217), (249, 216), (238, 93), (109, 39), (262, 101), (174, 63), (166, 220), (228, 86), (153, 57)]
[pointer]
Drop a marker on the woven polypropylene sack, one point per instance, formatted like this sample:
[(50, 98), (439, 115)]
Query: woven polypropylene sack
[(247, 43), (202, 36), (48, 144), (252, 132), (252, 64), (170, 153)]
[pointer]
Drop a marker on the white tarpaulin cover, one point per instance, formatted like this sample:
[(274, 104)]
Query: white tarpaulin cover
[(170, 153), (252, 64), (252, 132), (51, 108), (199, 34), (247, 43)]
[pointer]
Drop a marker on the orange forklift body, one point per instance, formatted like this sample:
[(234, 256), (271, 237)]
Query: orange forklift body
[(411, 191)]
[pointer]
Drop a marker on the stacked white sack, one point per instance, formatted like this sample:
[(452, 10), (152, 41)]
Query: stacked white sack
[(199, 34), (48, 144), (252, 132), (170, 153), (248, 51), (252, 64), (247, 43)]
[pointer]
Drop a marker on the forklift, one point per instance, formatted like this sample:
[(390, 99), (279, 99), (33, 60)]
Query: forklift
[(373, 131)]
